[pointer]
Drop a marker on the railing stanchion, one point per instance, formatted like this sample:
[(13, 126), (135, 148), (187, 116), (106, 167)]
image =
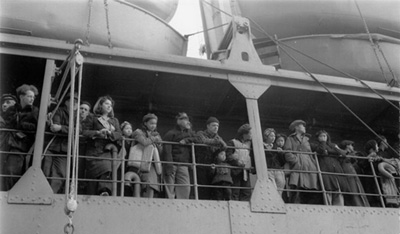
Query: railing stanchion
[(123, 168), (322, 181), (195, 186), (377, 184)]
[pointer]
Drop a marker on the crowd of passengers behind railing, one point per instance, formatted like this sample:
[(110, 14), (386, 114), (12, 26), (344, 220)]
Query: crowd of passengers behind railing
[(185, 164)]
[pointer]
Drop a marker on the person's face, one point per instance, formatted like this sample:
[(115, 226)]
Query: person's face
[(300, 128), (84, 110), (27, 99), (127, 131), (151, 124), (280, 142), (222, 156), (384, 144), (7, 104), (67, 103), (322, 137), (106, 107), (247, 136), (270, 138), (350, 148), (213, 127), (184, 123)]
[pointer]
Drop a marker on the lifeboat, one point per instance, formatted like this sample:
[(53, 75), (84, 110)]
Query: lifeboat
[(117, 23), (331, 31)]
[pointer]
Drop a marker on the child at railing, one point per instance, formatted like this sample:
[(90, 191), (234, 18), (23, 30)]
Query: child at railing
[(147, 137), (222, 177)]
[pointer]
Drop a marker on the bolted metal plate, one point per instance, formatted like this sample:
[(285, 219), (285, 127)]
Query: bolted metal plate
[(31, 188), (265, 198)]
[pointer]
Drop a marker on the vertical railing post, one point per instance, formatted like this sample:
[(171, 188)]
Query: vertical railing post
[(195, 186), (320, 178), (123, 168), (377, 184)]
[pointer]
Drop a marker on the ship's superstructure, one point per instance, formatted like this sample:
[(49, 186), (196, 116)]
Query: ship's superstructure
[(236, 86)]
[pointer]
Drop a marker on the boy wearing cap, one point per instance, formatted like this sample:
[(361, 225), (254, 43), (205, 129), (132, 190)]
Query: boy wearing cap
[(7, 120), (56, 166), (298, 141), (204, 155), (177, 173)]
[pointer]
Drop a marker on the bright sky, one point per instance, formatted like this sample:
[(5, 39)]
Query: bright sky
[(187, 20)]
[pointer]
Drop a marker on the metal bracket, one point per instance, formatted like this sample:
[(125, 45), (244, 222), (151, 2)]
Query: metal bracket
[(241, 48), (32, 188), (249, 88), (265, 198)]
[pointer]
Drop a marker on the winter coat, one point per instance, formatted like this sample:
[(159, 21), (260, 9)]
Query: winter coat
[(241, 156), (26, 120), (275, 160), (177, 152), (96, 144), (222, 174), (302, 162), (204, 154), (328, 162), (60, 143)]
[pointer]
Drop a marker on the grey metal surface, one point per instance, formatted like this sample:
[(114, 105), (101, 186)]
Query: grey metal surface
[(130, 27), (53, 49), (140, 215)]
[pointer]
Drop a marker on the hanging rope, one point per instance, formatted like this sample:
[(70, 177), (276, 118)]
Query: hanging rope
[(218, 9), (323, 85), (108, 24), (88, 23), (371, 41), (209, 29), (394, 79)]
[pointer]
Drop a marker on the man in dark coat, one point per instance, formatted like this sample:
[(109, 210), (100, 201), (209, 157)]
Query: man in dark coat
[(26, 118), (298, 141), (204, 155), (59, 125), (178, 173), (7, 121)]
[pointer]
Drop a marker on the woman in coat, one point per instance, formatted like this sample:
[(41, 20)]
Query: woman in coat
[(103, 133), (145, 136), (328, 158)]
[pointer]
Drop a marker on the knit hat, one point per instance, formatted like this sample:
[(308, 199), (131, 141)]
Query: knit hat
[(86, 103), (370, 145), (124, 124), (182, 115), (8, 96), (244, 129), (295, 123), (149, 116), (212, 120), (268, 131), (345, 143)]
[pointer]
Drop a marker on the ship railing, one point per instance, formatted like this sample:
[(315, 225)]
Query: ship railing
[(118, 180), (320, 173)]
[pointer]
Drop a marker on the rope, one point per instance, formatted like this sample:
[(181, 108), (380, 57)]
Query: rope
[(338, 70), (371, 41), (191, 34), (108, 24), (324, 86), (394, 80), (218, 9), (88, 23)]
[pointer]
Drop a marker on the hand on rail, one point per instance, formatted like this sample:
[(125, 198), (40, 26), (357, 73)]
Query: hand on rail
[(55, 127)]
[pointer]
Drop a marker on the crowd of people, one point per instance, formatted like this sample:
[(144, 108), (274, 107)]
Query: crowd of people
[(157, 166)]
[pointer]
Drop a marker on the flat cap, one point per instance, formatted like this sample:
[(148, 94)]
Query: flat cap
[(295, 123)]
